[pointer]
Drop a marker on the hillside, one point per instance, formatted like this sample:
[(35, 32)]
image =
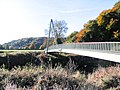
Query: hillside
[(24, 42)]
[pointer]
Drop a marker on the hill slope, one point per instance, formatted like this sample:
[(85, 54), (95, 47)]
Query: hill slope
[(22, 43)]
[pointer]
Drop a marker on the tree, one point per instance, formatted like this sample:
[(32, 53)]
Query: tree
[(106, 27), (60, 28), (26, 47), (58, 31), (109, 21), (1, 47), (80, 35), (32, 46), (43, 46), (6, 47), (92, 32), (72, 37)]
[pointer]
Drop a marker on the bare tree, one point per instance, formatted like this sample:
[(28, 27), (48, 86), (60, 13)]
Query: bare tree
[(58, 30)]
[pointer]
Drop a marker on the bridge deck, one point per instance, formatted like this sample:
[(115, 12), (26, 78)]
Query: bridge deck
[(102, 50), (111, 56)]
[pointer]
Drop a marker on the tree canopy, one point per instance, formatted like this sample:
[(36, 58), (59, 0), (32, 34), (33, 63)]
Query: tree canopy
[(106, 27), (72, 37), (59, 29), (32, 46)]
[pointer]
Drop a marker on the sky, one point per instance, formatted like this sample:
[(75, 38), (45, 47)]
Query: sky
[(29, 18)]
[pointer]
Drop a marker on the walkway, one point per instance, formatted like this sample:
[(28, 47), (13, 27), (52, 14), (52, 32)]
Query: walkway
[(102, 50)]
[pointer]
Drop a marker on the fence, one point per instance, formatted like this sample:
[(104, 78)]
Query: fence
[(99, 46)]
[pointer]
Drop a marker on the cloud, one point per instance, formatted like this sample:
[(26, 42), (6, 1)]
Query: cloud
[(77, 10)]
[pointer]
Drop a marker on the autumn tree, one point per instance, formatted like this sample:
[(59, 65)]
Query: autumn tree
[(80, 35), (92, 32), (32, 46), (43, 46), (26, 47), (109, 22), (72, 37), (106, 27)]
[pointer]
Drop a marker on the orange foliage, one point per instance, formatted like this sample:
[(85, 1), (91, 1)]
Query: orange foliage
[(80, 34), (117, 5), (103, 13), (100, 19)]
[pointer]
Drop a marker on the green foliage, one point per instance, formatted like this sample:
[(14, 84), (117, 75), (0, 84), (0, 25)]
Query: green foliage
[(60, 40), (117, 4), (72, 37), (110, 25), (93, 32), (105, 28)]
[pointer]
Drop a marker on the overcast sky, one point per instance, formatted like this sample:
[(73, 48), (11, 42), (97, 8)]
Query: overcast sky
[(29, 18)]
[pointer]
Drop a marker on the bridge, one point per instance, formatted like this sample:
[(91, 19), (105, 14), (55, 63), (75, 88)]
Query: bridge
[(102, 50)]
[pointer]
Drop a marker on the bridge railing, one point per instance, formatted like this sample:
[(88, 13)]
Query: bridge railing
[(100, 46)]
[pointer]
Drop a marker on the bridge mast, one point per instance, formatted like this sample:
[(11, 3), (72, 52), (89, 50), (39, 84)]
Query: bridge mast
[(50, 29)]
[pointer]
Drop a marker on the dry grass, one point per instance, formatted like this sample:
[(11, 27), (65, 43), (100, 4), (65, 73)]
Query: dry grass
[(103, 76), (39, 78), (47, 78)]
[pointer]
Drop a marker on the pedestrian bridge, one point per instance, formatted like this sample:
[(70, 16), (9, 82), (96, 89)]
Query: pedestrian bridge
[(102, 50)]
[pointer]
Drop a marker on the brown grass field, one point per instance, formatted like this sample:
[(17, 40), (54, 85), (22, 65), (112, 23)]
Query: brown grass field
[(47, 77)]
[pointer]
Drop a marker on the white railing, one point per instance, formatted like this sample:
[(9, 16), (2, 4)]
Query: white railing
[(99, 46)]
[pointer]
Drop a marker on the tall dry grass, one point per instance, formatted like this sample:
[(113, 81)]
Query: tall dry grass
[(32, 77), (40, 78), (106, 77)]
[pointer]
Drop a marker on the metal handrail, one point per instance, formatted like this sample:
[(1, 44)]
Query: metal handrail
[(99, 46)]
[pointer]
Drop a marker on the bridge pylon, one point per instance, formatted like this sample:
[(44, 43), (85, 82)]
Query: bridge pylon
[(51, 31)]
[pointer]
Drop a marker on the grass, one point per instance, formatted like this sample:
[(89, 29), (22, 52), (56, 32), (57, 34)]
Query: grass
[(4, 52), (47, 77), (21, 51), (39, 78), (32, 77), (105, 77)]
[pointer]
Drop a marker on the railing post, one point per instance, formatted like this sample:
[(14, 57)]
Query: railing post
[(101, 46), (110, 47), (117, 46)]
